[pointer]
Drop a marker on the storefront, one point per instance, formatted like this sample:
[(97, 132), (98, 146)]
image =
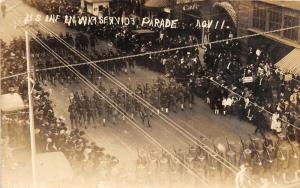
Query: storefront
[(97, 7), (157, 9), (191, 10)]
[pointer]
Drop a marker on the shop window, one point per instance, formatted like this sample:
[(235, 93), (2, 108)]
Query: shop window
[(290, 21), (259, 18), (275, 19)]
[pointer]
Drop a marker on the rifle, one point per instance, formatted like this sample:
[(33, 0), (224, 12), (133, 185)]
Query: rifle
[(293, 149), (243, 148), (255, 149), (266, 148), (278, 149)]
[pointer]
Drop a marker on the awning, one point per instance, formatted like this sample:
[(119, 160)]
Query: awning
[(178, 2), (143, 31), (291, 62), (11, 102), (157, 3), (98, 1)]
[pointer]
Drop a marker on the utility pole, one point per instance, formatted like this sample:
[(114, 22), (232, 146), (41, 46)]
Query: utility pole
[(31, 116), (25, 28)]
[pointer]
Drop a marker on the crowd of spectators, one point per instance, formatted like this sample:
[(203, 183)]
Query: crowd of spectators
[(254, 90), (249, 90), (51, 132)]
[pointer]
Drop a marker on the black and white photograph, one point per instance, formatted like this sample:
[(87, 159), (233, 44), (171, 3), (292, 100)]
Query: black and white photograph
[(150, 93)]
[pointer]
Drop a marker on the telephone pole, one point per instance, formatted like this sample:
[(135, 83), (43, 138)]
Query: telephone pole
[(31, 115), (25, 28)]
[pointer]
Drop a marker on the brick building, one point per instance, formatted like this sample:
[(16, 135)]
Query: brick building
[(267, 15)]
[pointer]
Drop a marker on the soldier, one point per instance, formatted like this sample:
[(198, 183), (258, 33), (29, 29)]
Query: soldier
[(107, 112), (72, 111), (145, 115), (175, 171), (180, 97), (172, 96), (231, 154), (163, 168), (189, 96), (153, 165), (283, 153), (84, 100), (155, 98), (93, 111), (257, 146), (246, 154), (142, 163), (294, 164), (165, 100), (200, 161)]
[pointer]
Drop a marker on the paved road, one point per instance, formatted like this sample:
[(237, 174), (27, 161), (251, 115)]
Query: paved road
[(123, 140)]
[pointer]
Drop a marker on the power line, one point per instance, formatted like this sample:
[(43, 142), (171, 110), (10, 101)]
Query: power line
[(253, 103), (119, 109), (211, 152), (157, 52)]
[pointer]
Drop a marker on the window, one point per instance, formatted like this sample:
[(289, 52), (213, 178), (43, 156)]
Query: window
[(290, 21), (275, 19), (259, 18)]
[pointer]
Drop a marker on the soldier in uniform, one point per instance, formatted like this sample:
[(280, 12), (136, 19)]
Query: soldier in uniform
[(165, 101), (138, 92), (180, 97), (269, 154), (245, 154), (155, 98), (214, 171), (175, 171), (231, 153), (72, 111), (189, 161), (257, 148), (283, 153), (163, 169), (189, 96), (172, 97), (294, 164), (142, 164), (153, 165), (200, 161)]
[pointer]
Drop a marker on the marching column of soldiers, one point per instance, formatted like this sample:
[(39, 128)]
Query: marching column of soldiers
[(166, 96), (275, 159)]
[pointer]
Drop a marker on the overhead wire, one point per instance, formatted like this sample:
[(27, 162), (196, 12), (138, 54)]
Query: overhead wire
[(124, 86), (158, 51), (253, 103), (166, 119), (140, 99), (118, 58), (119, 109), (263, 8)]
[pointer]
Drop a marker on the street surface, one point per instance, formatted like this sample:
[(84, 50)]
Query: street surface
[(123, 140)]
